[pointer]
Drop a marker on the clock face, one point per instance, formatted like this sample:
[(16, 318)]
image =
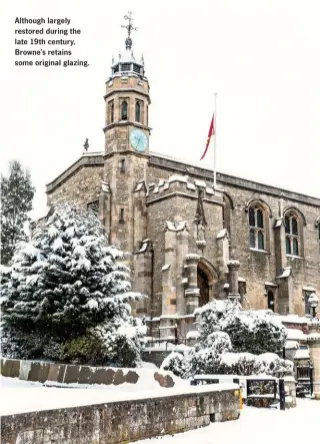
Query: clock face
[(138, 140)]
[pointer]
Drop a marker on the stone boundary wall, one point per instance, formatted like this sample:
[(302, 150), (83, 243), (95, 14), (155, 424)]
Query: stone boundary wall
[(76, 374), (124, 421)]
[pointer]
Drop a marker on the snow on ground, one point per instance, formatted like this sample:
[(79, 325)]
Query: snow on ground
[(262, 426)]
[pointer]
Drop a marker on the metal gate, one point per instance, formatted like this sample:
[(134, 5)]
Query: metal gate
[(304, 377)]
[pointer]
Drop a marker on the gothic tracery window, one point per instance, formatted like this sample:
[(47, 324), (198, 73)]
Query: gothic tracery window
[(257, 228), (124, 110), (292, 234)]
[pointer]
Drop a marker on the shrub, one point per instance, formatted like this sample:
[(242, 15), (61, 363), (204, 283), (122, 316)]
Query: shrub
[(87, 349)]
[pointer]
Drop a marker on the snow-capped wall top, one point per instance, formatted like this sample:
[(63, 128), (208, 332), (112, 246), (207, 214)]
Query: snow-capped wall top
[(293, 319), (184, 185), (296, 335), (302, 354)]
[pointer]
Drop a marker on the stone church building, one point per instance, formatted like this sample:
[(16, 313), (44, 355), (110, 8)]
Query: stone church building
[(191, 242)]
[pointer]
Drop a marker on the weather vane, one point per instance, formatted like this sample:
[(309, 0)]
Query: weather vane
[(129, 27)]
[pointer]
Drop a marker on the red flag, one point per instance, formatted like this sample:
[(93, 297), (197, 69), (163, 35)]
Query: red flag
[(211, 131)]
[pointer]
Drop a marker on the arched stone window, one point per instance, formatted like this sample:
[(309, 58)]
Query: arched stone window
[(257, 236), (124, 110), (318, 227), (112, 112), (291, 223), (138, 112)]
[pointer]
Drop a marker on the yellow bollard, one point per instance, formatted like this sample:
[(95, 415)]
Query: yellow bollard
[(240, 399), (239, 394)]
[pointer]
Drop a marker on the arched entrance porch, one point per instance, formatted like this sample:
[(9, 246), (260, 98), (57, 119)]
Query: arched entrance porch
[(207, 277)]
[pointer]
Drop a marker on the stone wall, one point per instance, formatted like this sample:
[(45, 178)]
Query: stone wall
[(258, 267), (78, 185), (124, 421)]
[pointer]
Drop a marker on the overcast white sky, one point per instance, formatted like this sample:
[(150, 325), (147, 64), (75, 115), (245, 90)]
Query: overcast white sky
[(261, 56)]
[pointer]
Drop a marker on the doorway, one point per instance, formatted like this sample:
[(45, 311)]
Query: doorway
[(204, 287), (270, 300)]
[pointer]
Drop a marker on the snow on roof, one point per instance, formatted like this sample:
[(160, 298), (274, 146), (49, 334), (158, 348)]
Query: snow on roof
[(308, 288), (286, 273), (241, 279), (295, 335), (270, 284), (278, 222), (293, 319), (178, 178), (191, 186), (292, 345), (222, 233), (209, 191), (200, 183), (302, 353), (176, 226)]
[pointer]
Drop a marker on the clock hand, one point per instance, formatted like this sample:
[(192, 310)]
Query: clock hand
[(138, 142)]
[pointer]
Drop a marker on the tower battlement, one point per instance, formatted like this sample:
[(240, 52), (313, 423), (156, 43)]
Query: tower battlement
[(178, 184)]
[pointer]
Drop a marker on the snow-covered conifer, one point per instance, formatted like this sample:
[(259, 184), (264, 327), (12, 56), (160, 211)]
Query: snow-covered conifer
[(66, 282), (16, 201)]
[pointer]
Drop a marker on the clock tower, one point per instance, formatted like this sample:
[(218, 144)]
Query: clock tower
[(126, 139)]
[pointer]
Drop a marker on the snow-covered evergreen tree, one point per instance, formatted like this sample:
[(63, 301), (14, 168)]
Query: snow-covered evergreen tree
[(16, 201), (67, 286)]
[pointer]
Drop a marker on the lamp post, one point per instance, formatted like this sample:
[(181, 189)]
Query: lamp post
[(313, 301)]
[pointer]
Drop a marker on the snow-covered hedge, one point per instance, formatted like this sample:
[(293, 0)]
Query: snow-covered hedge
[(232, 341), (249, 331), (68, 289), (207, 362)]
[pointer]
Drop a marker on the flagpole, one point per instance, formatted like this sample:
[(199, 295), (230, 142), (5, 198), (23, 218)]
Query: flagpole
[(215, 143)]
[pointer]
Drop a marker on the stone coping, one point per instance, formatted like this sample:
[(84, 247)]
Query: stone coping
[(124, 421)]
